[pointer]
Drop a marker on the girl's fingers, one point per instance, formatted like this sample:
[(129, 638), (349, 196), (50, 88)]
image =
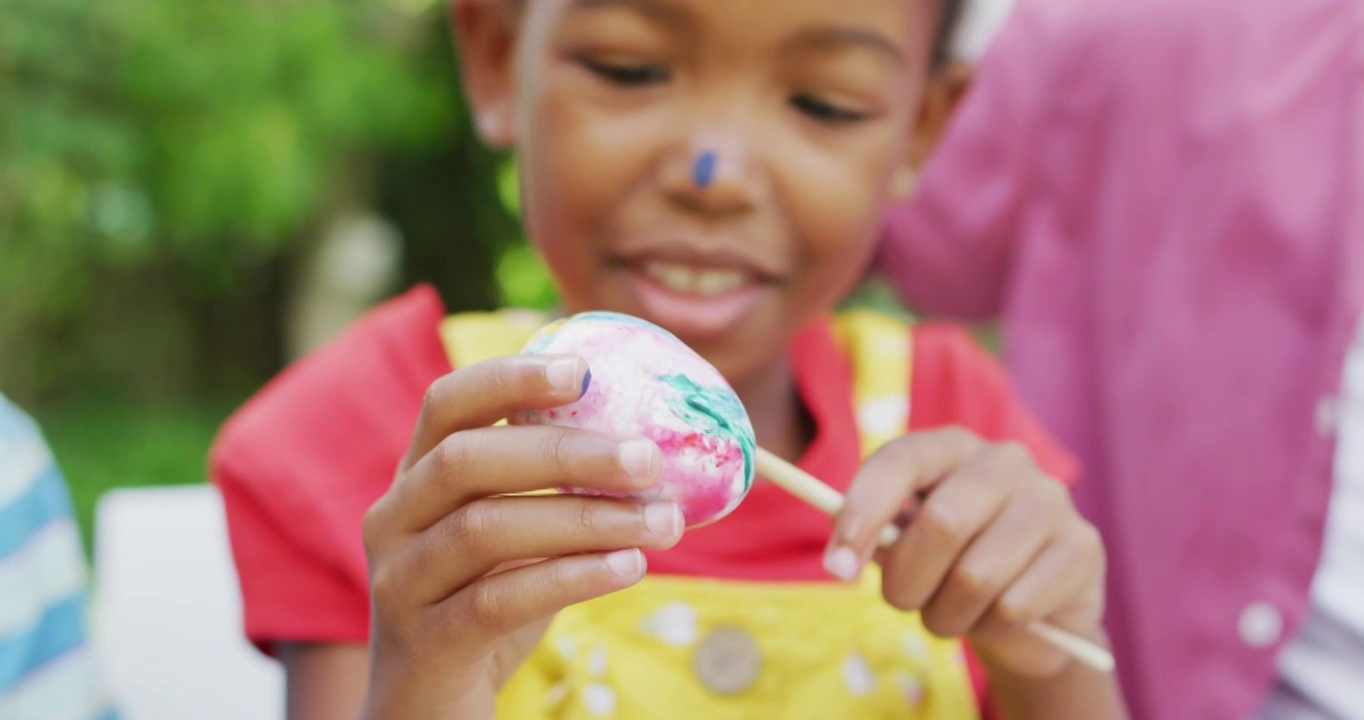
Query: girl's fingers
[(503, 460), (886, 482), (995, 560), (481, 536), (953, 515), (498, 604), (486, 392), (1063, 585)]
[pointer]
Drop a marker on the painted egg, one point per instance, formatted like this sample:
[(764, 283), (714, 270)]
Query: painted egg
[(647, 383)]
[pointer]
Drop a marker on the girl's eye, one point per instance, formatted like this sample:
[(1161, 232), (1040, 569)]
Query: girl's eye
[(825, 111), (625, 74)]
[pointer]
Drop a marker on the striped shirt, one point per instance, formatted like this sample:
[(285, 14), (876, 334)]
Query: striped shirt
[(47, 668)]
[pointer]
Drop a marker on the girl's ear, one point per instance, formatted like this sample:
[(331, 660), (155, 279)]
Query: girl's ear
[(945, 92), (485, 33)]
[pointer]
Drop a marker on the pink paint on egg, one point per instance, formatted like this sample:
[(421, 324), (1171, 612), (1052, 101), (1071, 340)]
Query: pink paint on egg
[(647, 383)]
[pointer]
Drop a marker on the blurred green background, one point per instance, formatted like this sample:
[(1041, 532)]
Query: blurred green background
[(193, 192), (171, 173)]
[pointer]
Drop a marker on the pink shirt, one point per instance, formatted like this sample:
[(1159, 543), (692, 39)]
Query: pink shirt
[(1164, 200)]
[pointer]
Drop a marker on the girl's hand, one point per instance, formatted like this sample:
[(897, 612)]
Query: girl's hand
[(463, 578), (991, 545)]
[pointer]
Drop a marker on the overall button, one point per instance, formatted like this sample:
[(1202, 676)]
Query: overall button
[(727, 661), (1260, 625)]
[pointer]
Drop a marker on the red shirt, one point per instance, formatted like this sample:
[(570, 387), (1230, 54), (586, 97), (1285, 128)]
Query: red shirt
[(300, 464)]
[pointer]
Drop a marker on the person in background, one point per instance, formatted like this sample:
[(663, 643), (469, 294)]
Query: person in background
[(47, 667), (1164, 202)]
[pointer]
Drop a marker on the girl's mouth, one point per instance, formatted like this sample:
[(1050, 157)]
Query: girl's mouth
[(696, 302), (687, 279)]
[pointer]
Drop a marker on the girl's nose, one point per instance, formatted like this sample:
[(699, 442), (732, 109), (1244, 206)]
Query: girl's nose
[(713, 174)]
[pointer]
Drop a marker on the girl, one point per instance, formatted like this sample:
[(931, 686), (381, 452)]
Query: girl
[(720, 169)]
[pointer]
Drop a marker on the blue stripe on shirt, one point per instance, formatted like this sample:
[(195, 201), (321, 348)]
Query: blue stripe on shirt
[(60, 630), (36, 498), (45, 500)]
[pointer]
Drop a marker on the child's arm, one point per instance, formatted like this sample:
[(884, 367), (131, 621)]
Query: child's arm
[(992, 545), (463, 578), (1076, 692), (324, 681)]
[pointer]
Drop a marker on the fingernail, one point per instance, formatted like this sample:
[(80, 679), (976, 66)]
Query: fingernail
[(841, 562), (626, 563), (587, 381), (663, 519), (563, 373), (637, 458)]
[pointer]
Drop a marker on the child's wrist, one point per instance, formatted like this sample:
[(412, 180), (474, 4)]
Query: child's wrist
[(1074, 691), (401, 693)]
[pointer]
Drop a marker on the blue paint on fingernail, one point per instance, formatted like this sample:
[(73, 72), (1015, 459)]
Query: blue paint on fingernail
[(704, 170), (587, 381)]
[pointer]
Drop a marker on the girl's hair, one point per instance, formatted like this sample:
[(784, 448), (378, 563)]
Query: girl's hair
[(947, 30)]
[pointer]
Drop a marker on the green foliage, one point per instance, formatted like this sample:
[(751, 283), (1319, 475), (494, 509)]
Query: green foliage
[(524, 280), (189, 150), (522, 276), (162, 163), (211, 132), (102, 445)]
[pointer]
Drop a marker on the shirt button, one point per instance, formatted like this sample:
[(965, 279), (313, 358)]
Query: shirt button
[(1328, 416), (727, 661), (1260, 625)]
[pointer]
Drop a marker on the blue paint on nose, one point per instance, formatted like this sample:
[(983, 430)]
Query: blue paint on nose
[(704, 171)]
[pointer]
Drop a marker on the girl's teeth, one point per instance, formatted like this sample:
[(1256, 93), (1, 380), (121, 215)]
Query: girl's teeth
[(673, 276), (685, 279), (718, 282)]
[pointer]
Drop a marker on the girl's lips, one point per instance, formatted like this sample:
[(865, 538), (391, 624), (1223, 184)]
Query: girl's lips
[(698, 313)]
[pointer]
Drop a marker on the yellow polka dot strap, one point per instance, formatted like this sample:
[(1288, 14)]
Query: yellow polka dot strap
[(878, 348), (473, 337), (682, 648)]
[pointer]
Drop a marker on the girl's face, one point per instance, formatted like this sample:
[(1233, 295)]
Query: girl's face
[(716, 166)]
